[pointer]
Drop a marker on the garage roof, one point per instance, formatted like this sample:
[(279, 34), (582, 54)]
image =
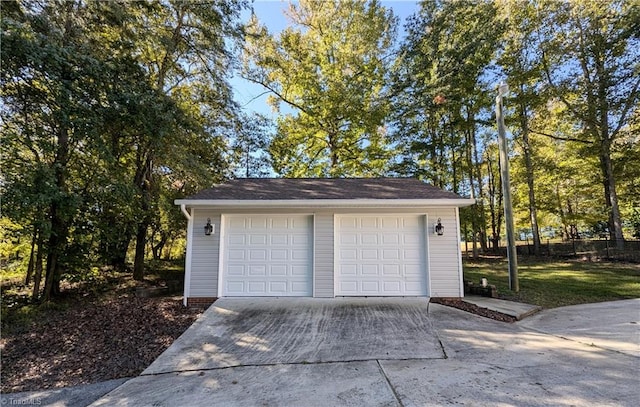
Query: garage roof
[(319, 191)]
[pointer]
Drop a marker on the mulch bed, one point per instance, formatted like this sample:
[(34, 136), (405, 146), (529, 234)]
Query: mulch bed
[(474, 309), (91, 341)]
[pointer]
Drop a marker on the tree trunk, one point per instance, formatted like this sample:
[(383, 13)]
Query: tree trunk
[(611, 195), (143, 181), (30, 267), (38, 275), (141, 241), (157, 248), (533, 212)]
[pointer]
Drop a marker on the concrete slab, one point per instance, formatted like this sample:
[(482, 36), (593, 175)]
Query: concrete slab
[(492, 363), (76, 396), (517, 310), (324, 384), (564, 382), (262, 331), (611, 325)]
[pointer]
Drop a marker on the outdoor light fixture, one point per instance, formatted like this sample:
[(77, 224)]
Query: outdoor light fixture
[(208, 228), (438, 229)]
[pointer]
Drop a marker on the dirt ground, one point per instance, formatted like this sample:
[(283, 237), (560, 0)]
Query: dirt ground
[(90, 341)]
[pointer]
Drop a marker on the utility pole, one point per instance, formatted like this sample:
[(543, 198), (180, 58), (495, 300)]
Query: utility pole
[(512, 254)]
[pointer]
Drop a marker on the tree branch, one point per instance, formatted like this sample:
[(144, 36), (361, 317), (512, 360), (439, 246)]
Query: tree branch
[(558, 137)]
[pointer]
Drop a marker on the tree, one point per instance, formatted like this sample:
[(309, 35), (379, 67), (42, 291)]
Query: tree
[(442, 99), (591, 61), (329, 69), (51, 80), (250, 146), (522, 65), (109, 109)]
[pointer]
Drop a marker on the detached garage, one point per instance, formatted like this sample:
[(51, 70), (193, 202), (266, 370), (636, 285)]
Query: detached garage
[(322, 238)]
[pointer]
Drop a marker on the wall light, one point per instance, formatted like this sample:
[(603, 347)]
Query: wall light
[(208, 228), (438, 229)]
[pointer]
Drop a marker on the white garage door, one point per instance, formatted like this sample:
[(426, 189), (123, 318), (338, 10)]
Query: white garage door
[(381, 256), (267, 256)]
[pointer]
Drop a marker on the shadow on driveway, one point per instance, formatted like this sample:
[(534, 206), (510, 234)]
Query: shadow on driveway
[(264, 331)]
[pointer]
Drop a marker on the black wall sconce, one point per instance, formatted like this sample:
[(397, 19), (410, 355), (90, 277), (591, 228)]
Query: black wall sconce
[(208, 228), (438, 229)]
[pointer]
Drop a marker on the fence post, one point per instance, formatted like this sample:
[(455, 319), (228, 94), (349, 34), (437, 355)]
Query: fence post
[(607, 245)]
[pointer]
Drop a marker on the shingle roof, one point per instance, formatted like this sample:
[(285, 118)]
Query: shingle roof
[(322, 188)]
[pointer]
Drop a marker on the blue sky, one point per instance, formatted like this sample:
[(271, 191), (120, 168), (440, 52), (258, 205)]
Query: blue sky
[(271, 13)]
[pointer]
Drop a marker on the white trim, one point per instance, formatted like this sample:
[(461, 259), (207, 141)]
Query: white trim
[(323, 203), (427, 251), (222, 253), (189, 255), (336, 230), (313, 255), (458, 238)]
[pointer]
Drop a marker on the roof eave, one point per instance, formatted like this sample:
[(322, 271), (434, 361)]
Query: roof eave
[(324, 203)]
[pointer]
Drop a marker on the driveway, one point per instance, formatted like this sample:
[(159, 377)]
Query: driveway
[(390, 352)]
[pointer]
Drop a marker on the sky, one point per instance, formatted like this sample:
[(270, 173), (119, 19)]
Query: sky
[(271, 13)]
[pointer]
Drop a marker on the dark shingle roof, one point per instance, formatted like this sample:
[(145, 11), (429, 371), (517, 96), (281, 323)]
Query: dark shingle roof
[(323, 188)]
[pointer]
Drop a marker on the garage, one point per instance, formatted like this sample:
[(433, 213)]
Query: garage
[(381, 255), (322, 238), (267, 255)]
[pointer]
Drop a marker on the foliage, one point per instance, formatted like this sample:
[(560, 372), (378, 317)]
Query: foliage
[(329, 69), (97, 144)]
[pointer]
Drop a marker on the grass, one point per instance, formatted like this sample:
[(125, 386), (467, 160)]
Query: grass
[(553, 283)]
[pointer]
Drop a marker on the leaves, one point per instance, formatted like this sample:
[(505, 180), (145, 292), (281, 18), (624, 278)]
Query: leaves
[(329, 69)]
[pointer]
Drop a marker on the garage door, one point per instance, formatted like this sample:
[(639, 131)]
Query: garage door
[(381, 256), (267, 256)]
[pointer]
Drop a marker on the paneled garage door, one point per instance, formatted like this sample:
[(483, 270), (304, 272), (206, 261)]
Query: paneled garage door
[(381, 256), (267, 256)]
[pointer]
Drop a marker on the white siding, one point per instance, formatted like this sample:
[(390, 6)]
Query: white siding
[(323, 267), (204, 255), (444, 254)]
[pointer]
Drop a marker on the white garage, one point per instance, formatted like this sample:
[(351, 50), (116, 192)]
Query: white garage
[(324, 238), (266, 255), (381, 255)]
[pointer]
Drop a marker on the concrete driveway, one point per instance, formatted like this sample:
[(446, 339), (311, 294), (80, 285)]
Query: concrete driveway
[(391, 352)]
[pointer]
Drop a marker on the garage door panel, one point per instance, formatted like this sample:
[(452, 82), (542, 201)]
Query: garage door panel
[(299, 270), (278, 239), (392, 287), (369, 222), (260, 270), (256, 287), (370, 287), (390, 238), (236, 271), (267, 255), (369, 239), (238, 240), (279, 254), (391, 270), (395, 265), (391, 254), (237, 254), (368, 254), (370, 270), (257, 254)]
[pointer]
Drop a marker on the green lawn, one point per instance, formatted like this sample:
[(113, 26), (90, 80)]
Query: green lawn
[(559, 283)]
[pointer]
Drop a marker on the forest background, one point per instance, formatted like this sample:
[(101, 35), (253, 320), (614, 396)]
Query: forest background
[(112, 110)]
